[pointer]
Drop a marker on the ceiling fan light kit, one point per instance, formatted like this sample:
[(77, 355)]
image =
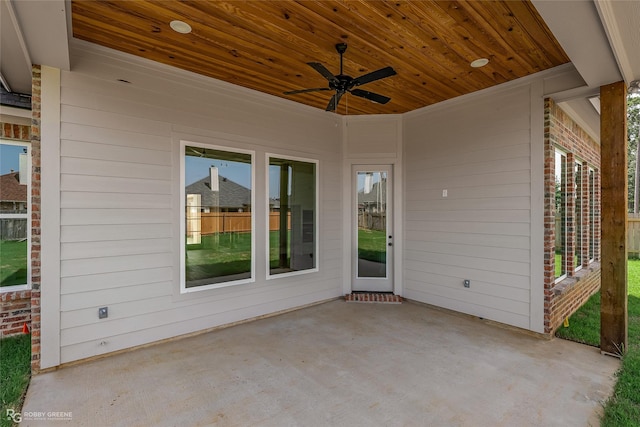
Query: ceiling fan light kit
[(342, 83)]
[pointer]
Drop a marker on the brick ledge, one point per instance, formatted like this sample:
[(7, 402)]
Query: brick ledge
[(373, 297)]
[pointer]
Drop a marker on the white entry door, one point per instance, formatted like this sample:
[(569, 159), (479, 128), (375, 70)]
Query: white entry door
[(372, 254)]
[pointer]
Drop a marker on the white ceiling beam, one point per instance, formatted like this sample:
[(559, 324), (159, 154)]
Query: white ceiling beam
[(18, 31), (621, 21), (582, 92), (44, 26), (578, 28), (584, 114)]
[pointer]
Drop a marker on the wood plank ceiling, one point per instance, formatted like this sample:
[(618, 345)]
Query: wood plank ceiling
[(265, 45)]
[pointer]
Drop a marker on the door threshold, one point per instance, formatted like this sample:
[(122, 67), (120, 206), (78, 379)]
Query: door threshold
[(373, 297)]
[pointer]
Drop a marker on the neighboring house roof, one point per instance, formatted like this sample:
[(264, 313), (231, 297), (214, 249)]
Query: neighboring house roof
[(10, 188), (378, 193), (231, 194)]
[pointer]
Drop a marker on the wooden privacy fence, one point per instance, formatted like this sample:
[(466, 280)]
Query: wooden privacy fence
[(240, 222), (13, 228), (633, 236), (372, 221)]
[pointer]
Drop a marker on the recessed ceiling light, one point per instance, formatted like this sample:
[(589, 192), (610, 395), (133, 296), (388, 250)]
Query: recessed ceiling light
[(481, 62), (180, 27)]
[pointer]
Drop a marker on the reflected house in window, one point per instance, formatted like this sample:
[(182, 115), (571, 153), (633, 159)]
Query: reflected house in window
[(13, 194), (372, 203), (13, 200), (216, 204)]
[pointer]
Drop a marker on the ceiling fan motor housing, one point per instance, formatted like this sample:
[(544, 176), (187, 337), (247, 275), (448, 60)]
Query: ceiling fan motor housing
[(343, 83)]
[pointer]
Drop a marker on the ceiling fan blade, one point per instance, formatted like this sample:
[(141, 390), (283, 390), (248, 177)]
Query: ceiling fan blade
[(317, 89), (333, 102), (371, 96), (323, 70), (373, 76)]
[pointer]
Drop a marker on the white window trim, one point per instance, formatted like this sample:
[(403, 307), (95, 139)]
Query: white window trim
[(183, 287), (270, 276), (577, 162), (27, 216), (565, 275), (592, 223)]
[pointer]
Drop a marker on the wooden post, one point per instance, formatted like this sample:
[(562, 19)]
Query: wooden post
[(613, 146)]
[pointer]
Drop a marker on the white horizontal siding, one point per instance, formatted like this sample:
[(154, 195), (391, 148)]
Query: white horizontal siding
[(109, 136), (84, 166), (96, 345), (86, 199), (119, 169), (479, 152), (96, 249), (122, 313), (372, 137)]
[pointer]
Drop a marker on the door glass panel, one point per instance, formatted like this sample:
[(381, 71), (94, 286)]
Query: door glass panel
[(372, 224)]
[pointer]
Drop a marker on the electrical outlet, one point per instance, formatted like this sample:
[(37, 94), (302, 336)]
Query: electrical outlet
[(467, 283), (103, 312)]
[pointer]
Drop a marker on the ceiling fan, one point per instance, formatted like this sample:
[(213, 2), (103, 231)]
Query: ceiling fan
[(342, 83)]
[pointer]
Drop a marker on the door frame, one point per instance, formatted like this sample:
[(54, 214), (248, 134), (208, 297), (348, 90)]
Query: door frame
[(398, 218), (372, 284)]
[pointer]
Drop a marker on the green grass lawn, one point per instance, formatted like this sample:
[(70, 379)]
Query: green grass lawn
[(13, 262), (372, 245), (219, 255), (15, 370), (226, 254), (623, 409)]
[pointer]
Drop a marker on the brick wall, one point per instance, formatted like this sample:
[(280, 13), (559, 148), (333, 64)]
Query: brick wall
[(15, 132), (35, 217), (15, 306), (563, 298), (15, 312), (571, 293)]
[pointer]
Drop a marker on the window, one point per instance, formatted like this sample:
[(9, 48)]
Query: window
[(15, 227), (577, 220), (218, 221), (292, 215), (592, 214), (561, 214)]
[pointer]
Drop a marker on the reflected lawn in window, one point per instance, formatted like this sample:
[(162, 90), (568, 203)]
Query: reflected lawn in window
[(372, 245), (559, 269), (225, 254), (13, 262), (274, 249), (220, 256)]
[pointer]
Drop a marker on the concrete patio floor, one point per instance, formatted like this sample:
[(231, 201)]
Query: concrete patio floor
[(337, 364)]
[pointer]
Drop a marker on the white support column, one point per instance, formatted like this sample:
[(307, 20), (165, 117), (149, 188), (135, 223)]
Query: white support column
[(536, 143), (50, 222)]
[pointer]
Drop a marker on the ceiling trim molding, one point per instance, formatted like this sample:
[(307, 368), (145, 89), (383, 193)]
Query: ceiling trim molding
[(523, 81), (19, 34)]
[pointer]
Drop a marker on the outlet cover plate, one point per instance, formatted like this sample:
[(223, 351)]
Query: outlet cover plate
[(103, 312)]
